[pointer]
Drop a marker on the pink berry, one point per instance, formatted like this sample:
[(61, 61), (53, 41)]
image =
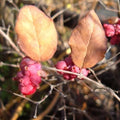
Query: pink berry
[(115, 40), (84, 71), (113, 31), (118, 22), (109, 30), (25, 62), (61, 65), (68, 65), (117, 29), (34, 69), (69, 61), (31, 69), (25, 81), (74, 69), (29, 77), (18, 76), (35, 79), (28, 89), (66, 76)]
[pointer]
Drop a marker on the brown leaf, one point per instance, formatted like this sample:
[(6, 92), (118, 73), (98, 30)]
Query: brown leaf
[(88, 42), (37, 36)]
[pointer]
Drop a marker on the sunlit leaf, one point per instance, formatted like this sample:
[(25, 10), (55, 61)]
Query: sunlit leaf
[(37, 36), (88, 42)]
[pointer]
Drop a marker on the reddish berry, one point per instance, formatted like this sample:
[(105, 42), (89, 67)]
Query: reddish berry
[(118, 22), (109, 30), (25, 81), (68, 65), (74, 69), (25, 62), (18, 76), (34, 69), (69, 61), (114, 33), (61, 65), (66, 76), (28, 89), (29, 77), (117, 29), (35, 79), (84, 71), (115, 40)]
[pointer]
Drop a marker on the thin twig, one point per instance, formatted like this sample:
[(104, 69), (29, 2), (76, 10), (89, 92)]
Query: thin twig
[(86, 79), (3, 23), (107, 68), (65, 116), (11, 42), (33, 101), (14, 5), (6, 64), (118, 1), (41, 116), (67, 8), (114, 10), (8, 30), (76, 109), (54, 87), (58, 13), (93, 72)]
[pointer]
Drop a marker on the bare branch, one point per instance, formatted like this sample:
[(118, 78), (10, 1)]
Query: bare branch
[(101, 2), (87, 80), (11, 42), (14, 5), (6, 64)]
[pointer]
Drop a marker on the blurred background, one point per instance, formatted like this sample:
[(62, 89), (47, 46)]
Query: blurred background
[(83, 102)]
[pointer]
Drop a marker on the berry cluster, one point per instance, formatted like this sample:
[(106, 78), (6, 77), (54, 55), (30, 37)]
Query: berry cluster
[(31, 71), (68, 65), (29, 77), (113, 32)]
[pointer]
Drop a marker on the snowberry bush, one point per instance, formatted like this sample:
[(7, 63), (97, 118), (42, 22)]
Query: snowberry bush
[(62, 81)]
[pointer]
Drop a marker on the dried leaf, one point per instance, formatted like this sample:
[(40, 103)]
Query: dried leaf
[(37, 36), (88, 42)]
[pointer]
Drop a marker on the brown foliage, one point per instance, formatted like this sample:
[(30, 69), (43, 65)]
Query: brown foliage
[(37, 36), (88, 41)]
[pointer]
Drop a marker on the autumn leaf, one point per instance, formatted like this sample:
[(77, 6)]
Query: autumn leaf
[(36, 33), (88, 42)]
